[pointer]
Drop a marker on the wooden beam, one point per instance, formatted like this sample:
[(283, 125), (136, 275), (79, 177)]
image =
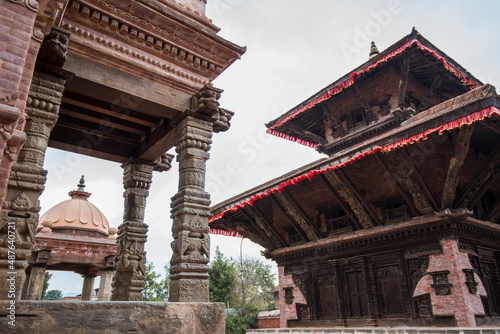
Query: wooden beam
[(405, 71), (157, 142), (490, 125), (461, 142), (476, 185), (493, 215), (432, 90), (260, 228), (337, 129), (404, 195), (342, 203), (311, 227), (366, 107), (420, 179), (300, 223), (364, 218), (274, 232), (306, 133), (404, 171)]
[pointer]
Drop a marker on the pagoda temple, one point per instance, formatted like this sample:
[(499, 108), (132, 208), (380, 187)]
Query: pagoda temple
[(399, 224)]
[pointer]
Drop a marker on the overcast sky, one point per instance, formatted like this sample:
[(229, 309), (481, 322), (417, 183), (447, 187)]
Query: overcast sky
[(295, 48)]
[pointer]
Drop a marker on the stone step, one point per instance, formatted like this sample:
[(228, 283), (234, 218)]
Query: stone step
[(416, 330)]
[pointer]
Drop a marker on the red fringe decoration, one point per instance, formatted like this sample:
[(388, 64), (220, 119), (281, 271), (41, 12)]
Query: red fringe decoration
[(227, 233), (346, 83), (466, 120)]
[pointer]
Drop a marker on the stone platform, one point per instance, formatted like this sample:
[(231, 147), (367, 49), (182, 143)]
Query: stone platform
[(89, 317), (422, 330)]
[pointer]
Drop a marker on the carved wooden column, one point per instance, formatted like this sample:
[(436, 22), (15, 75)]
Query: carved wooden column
[(130, 259), (190, 213), (19, 215)]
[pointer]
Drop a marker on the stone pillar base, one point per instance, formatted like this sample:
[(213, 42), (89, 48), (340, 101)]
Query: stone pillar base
[(48, 317)]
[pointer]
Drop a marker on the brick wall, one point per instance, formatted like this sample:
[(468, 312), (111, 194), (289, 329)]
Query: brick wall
[(18, 51), (288, 311), (268, 322), (461, 303)]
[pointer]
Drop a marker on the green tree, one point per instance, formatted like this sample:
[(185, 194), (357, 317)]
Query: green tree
[(258, 284), (242, 319), (155, 287), (222, 275), (45, 283), (53, 295)]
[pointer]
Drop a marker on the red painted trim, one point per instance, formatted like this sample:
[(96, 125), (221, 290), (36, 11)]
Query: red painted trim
[(216, 231), (346, 83), (466, 120)]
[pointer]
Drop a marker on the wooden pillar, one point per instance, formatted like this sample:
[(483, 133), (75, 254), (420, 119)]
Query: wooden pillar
[(190, 213), (130, 259), (19, 215), (88, 287), (35, 284), (105, 285)]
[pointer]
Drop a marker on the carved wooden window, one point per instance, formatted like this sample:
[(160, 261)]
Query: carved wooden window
[(294, 236), (357, 294), (288, 295), (327, 297), (336, 219), (390, 287), (395, 210), (358, 118), (489, 280)]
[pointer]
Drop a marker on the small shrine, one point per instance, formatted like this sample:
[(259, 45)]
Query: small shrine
[(73, 235)]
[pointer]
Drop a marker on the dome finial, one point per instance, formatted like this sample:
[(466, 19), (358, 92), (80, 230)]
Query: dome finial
[(81, 185), (373, 50)]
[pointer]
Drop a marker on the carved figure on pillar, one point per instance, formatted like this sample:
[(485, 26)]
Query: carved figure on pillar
[(27, 178), (130, 259)]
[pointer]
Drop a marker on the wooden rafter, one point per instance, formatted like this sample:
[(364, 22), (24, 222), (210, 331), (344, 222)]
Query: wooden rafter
[(259, 227), (476, 187), (432, 90), (366, 107), (490, 125), (306, 133), (397, 182), (341, 202), (266, 226), (493, 215), (405, 71), (404, 171), (420, 179), (347, 193), (296, 216), (461, 142), (337, 128)]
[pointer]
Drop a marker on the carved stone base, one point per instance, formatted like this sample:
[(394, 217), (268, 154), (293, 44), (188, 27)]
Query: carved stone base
[(48, 317), (189, 290)]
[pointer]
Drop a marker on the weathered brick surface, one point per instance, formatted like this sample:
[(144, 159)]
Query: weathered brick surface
[(460, 303), (268, 322), (378, 331), (288, 311)]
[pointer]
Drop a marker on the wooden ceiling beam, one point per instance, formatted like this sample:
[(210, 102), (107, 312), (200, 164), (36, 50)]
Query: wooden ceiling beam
[(112, 110), (306, 133), (397, 182), (366, 107), (359, 209), (272, 229), (405, 71), (438, 80), (405, 172), (159, 141), (297, 222), (483, 177), (461, 142), (493, 215), (261, 228), (341, 202)]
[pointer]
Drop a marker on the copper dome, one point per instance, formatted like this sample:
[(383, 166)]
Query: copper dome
[(75, 214)]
